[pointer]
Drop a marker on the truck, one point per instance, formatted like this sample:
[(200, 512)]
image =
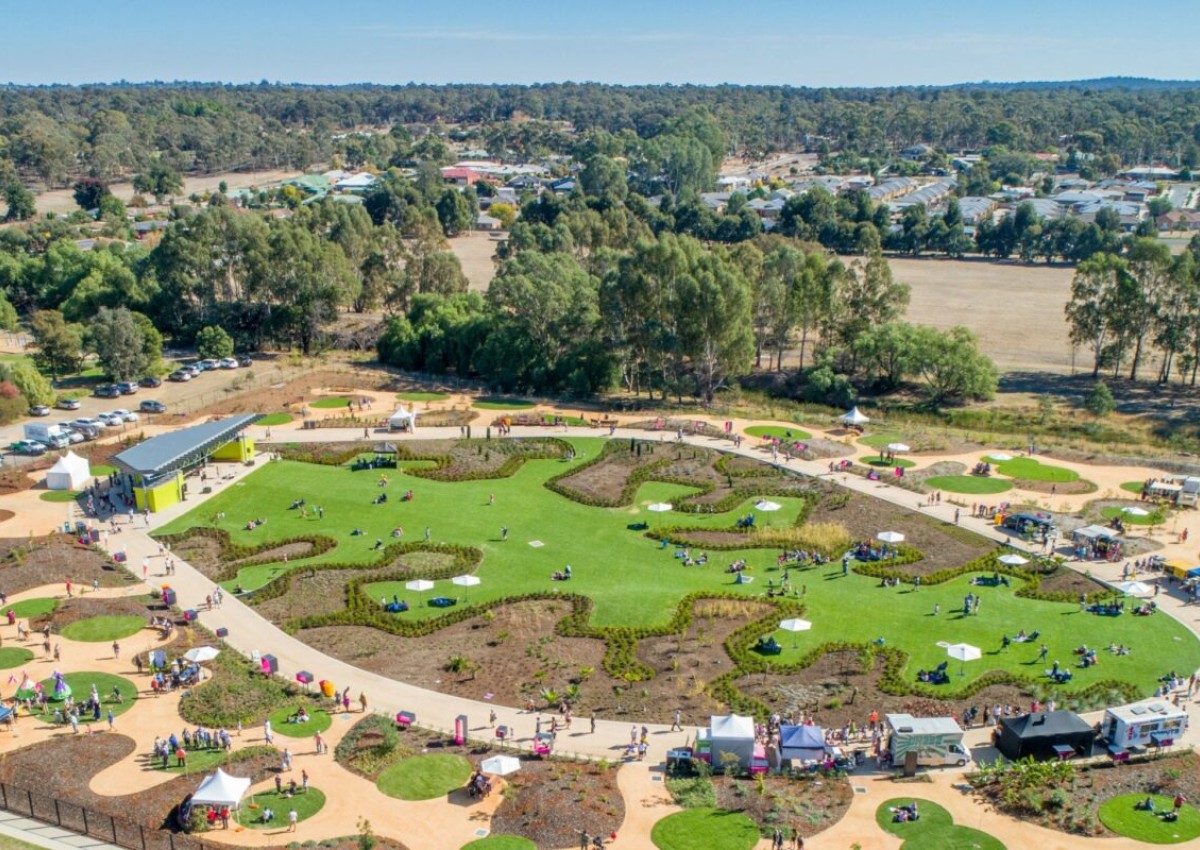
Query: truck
[(1154, 721), (52, 436), (936, 741)]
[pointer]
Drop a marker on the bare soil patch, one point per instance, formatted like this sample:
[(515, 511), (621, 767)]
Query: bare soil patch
[(548, 802), (293, 394), (52, 561), (810, 804), (1070, 581), (474, 252), (1061, 488)]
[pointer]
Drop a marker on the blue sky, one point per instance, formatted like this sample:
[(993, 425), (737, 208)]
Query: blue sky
[(856, 42)]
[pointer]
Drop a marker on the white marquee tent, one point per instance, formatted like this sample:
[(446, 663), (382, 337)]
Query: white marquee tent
[(731, 733), (71, 472), (221, 789), (402, 420), (854, 417)]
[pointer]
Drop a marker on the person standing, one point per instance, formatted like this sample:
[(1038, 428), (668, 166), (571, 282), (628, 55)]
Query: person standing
[(116, 648), (593, 719), (427, 534), (293, 818)]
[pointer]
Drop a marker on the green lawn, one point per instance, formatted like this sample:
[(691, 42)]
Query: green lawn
[(14, 656), (1132, 487), (32, 607), (198, 761), (500, 842), (106, 628), (102, 470), (874, 460), (971, 485), (705, 829), (1155, 516), (318, 721), (934, 830), (58, 496), (330, 402), (81, 687), (275, 419), (426, 777), (422, 396), (7, 843), (1119, 815), (634, 582), (306, 803), (882, 441), (779, 432), (1031, 470), (497, 403)]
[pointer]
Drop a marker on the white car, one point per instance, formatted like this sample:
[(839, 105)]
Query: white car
[(209, 365), (86, 422), (111, 419), (72, 435), (229, 363), (126, 415)]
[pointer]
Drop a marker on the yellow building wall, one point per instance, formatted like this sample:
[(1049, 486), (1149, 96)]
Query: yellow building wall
[(237, 450), (161, 496)]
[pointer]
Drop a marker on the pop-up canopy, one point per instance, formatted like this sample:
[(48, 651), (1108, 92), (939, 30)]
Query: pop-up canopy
[(221, 789), (402, 420), (854, 417)]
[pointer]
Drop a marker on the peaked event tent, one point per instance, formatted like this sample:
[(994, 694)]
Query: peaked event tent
[(1038, 734), (854, 417), (72, 472), (221, 789), (801, 743), (732, 733), (402, 420)]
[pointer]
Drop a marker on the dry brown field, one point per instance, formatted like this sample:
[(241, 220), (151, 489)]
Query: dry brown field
[(474, 252), (62, 201)]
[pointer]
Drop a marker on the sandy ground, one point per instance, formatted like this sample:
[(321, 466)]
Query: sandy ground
[(63, 200), (1016, 310), (474, 252)]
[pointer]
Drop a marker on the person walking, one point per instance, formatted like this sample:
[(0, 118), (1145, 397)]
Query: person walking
[(427, 534), (492, 718), (593, 719), (1043, 653), (116, 647), (504, 533), (676, 725)]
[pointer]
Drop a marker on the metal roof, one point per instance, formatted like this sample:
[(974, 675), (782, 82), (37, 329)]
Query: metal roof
[(159, 456)]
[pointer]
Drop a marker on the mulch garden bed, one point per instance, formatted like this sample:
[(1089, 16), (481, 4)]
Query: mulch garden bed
[(1056, 488), (1075, 583), (549, 802), (24, 565), (204, 553), (1074, 808), (809, 805), (83, 608)]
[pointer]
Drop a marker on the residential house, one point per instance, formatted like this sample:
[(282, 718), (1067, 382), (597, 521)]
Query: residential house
[(459, 176), (1178, 220), (976, 210), (915, 153)]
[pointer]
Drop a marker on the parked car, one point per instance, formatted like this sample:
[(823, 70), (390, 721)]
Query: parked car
[(74, 435), (126, 415), (150, 382), (245, 360), (128, 387), (152, 406), (111, 419), (27, 447), (180, 375), (83, 423), (210, 364), (193, 369), (39, 410), (229, 363), (107, 391), (68, 404)]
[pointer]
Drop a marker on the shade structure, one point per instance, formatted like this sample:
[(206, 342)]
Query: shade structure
[(767, 506), (795, 624), (964, 652), (500, 765), (999, 457), (898, 447), (660, 507), (1012, 560), (854, 417), (890, 537), (71, 472), (1136, 588), (465, 581), (221, 789), (419, 584), (202, 653), (1135, 511)]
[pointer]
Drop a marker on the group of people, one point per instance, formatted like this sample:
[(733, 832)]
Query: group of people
[(479, 786), (682, 554), (801, 557), (255, 523), (867, 551), (190, 740)]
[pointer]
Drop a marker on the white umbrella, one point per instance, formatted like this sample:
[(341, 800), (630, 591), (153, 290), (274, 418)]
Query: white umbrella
[(660, 507), (964, 652), (1012, 560), (999, 457), (202, 653), (1135, 511), (795, 625), (465, 581), (897, 447), (1135, 588), (419, 584), (500, 765), (890, 537), (764, 505)]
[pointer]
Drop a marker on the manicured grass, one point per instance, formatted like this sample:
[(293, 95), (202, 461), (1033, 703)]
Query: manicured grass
[(1119, 815), (972, 485), (426, 777), (330, 402), (32, 607), (7, 843), (779, 432), (1031, 470), (1132, 487), (14, 656), (1155, 517), (633, 582), (934, 830), (275, 419), (102, 470), (422, 396), (59, 496), (705, 829), (873, 460), (306, 803), (318, 721), (81, 688), (198, 761), (882, 441), (497, 403), (104, 628), (500, 842)]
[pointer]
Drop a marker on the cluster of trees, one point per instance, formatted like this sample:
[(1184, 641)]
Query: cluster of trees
[(1127, 307)]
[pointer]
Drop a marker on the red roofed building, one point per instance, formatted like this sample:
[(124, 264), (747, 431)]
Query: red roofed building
[(461, 176)]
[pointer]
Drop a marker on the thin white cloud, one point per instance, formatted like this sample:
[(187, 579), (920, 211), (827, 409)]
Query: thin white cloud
[(440, 34)]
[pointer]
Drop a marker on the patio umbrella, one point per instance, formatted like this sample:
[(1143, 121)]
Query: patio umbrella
[(964, 652), (890, 537), (1135, 511), (465, 581), (764, 505), (1012, 560), (795, 624), (202, 653), (500, 765), (1136, 588), (897, 447), (999, 457), (419, 584), (660, 507)]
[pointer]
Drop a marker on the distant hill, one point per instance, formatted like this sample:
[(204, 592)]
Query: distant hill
[(1098, 84)]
